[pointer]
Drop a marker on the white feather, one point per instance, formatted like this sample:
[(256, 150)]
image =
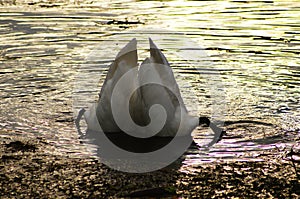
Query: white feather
[(153, 69)]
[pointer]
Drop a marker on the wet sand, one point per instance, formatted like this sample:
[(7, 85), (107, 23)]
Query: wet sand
[(27, 171)]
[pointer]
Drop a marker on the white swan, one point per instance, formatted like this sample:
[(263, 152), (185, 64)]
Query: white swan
[(156, 85)]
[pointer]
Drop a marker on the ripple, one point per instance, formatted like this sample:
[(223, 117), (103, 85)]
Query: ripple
[(253, 48)]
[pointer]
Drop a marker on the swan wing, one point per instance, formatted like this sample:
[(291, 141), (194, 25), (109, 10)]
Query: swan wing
[(124, 61), (158, 86), (165, 72)]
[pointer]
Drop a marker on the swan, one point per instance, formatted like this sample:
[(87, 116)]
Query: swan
[(156, 109)]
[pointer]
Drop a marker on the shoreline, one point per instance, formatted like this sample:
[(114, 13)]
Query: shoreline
[(26, 171)]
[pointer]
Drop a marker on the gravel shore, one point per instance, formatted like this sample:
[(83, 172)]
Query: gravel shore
[(26, 171)]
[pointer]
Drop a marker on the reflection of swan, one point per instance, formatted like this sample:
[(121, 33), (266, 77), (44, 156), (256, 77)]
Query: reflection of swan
[(148, 85)]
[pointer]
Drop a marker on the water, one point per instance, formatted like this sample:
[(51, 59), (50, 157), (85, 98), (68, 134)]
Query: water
[(47, 50)]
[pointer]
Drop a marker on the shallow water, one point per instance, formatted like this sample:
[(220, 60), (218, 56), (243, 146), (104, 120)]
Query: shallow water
[(234, 60)]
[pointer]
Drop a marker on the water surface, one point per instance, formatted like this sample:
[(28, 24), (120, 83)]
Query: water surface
[(49, 50)]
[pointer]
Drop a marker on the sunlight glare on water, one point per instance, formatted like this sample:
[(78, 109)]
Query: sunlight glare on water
[(253, 46)]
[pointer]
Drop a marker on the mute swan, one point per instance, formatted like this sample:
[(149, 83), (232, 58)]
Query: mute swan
[(145, 123)]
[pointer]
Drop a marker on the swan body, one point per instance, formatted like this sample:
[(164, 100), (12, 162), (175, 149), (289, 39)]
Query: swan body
[(165, 93), (155, 105)]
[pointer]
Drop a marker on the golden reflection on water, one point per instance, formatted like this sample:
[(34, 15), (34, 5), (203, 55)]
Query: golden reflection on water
[(254, 47)]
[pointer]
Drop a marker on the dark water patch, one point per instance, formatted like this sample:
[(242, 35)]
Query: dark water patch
[(20, 146)]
